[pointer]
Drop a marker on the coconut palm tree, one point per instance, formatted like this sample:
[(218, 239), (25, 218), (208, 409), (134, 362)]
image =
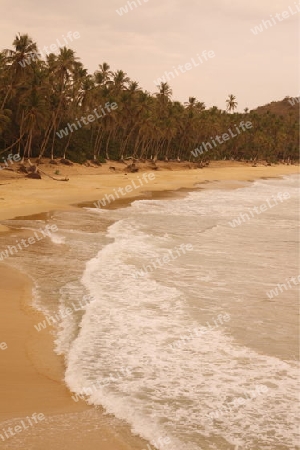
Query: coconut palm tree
[(103, 76), (24, 49), (165, 93), (231, 103)]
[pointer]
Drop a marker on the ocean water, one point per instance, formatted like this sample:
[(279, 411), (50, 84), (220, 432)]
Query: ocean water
[(173, 326)]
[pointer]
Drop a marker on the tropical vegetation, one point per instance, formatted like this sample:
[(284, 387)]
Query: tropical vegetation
[(40, 97)]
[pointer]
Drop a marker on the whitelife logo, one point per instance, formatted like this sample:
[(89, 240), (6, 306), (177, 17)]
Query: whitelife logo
[(66, 312), (13, 249), (221, 139), (165, 259), (279, 17), (132, 5), (7, 433), (11, 159), (108, 198), (198, 332), (275, 292), (99, 385), (294, 100), (86, 120), (34, 56), (180, 69), (258, 210)]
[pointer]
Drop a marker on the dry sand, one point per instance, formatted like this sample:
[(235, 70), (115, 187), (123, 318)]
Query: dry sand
[(31, 374), (21, 196)]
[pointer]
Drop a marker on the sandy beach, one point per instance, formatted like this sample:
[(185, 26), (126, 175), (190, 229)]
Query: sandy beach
[(22, 196), (31, 373)]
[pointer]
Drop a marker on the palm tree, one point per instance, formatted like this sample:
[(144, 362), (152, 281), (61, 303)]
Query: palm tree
[(191, 103), (165, 93), (25, 49), (103, 76), (65, 66), (119, 82), (35, 116), (231, 103)]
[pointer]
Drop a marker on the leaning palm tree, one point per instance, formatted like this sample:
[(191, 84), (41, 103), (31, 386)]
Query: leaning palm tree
[(35, 116), (231, 103), (25, 49)]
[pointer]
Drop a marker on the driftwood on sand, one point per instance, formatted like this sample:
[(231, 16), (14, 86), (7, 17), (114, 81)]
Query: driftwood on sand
[(35, 173), (53, 178)]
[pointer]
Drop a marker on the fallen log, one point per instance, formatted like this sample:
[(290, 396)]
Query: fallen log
[(53, 178)]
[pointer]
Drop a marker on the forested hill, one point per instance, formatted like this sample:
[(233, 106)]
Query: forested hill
[(53, 107), (289, 106)]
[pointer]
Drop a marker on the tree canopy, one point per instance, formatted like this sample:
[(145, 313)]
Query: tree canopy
[(39, 97)]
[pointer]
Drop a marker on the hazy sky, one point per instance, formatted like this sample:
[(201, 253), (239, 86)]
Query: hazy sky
[(159, 34)]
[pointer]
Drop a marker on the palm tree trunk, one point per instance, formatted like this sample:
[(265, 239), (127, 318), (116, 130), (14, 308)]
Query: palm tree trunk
[(107, 145), (67, 145)]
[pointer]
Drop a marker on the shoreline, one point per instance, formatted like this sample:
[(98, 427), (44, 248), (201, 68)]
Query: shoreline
[(30, 361), (32, 381), (21, 197)]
